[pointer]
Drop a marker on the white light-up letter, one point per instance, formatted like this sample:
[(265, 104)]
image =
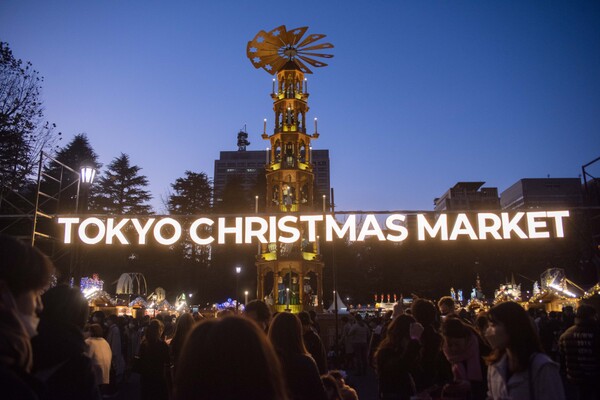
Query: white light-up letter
[(312, 225), (259, 233), (293, 231), (558, 222), (158, 231), (194, 231), (349, 227), (533, 225), (389, 223), (237, 229), (272, 229), (101, 230), (142, 230), (493, 229), (441, 226), (370, 228), (509, 225), (462, 226), (68, 222), (112, 231)]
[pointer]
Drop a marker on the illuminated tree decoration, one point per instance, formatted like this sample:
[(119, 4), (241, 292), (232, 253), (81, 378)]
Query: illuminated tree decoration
[(272, 50)]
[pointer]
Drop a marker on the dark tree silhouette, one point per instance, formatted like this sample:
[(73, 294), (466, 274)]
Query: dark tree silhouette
[(23, 133), (77, 152), (121, 190), (193, 194), (192, 197)]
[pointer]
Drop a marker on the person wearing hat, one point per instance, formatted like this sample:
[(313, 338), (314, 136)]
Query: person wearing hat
[(580, 353)]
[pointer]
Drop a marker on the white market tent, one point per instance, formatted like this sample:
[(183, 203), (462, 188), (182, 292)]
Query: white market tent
[(342, 308)]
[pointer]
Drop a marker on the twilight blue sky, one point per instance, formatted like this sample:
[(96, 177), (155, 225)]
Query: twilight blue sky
[(420, 94)]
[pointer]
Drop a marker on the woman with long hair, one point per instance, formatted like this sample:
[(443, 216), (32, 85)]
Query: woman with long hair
[(154, 363), (397, 358), (518, 368), (301, 372), (184, 326), (228, 359)]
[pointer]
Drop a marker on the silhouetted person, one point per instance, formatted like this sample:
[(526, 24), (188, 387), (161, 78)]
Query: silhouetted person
[(331, 387), (228, 359), (155, 363), (359, 337), (397, 359), (59, 349), (301, 372), (259, 312), (185, 324), (24, 273), (313, 342), (580, 353), (436, 370), (447, 306)]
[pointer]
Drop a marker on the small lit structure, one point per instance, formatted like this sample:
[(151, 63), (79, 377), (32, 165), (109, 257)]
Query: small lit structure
[(556, 291)]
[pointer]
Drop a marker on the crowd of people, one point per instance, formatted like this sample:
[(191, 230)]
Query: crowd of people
[(50, 348)]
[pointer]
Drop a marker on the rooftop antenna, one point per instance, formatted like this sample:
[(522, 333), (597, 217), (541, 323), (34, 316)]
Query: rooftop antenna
[(242, 139)]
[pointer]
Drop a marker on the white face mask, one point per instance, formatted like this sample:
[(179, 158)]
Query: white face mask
[(30, 322)]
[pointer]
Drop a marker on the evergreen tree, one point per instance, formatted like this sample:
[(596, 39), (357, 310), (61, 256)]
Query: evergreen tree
[(76, 153), (192, 197), (121, 190), (193, 194)]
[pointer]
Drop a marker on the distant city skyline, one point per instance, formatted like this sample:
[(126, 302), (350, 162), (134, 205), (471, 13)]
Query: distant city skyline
[(419, 95)]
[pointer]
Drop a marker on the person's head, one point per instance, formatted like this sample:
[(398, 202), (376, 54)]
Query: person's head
[(285, 334), (331, 387), (446, 306), (258, 311), (64, 305), (567, 310), (184, 325), (25, 272), (481, 322), (305, 320), (456, 335), (154, 331), (98, 317), (359, 319), (424, 311), (398, 334), (585, 313), (510, 328), (227, 359), (111, 320), (95, 331)]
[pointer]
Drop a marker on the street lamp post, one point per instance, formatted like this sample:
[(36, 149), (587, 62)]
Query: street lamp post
[(87, 173), (237, 282), (245, 297)]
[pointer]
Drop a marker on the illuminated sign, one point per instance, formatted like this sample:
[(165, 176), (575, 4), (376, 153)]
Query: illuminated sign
[(292, 228)]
